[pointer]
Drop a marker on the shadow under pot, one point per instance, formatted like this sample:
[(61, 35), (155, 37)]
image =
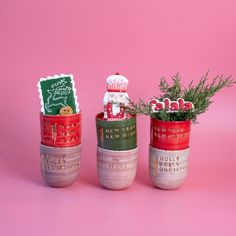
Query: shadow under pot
[(116, 152), (168, 153), (60, 130), (60, 167)]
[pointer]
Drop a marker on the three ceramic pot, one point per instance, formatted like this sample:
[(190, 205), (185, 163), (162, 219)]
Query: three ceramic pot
[(116, 152), (168, 153), (60, 148)]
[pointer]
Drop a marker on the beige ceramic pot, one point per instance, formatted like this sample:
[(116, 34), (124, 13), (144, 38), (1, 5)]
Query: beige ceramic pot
[(60, 167), (168, 169), (116, 169)]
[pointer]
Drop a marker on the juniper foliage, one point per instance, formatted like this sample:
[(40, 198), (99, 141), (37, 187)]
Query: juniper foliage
[(200, 95)]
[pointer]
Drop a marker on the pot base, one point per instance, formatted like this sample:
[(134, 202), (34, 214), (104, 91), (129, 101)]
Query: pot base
[(168, 169), (116, 169)]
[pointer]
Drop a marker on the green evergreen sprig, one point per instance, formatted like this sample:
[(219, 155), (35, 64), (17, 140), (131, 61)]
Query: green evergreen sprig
[(200, 95)]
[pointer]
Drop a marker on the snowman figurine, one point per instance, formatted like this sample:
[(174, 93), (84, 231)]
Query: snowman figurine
[(116, 98)]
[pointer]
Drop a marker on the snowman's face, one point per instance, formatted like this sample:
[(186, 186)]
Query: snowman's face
[(117, 97)]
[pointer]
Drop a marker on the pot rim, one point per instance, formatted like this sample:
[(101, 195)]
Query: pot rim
[(58, 115), (60, 148), (115, 151), (113, 121), (171, 151), (172, 122)]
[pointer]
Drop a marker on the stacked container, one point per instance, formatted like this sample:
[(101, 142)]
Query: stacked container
[(60, 148), (168, 153), (116, 152)]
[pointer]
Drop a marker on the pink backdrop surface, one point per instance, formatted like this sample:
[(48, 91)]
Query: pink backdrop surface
[(143, 40)]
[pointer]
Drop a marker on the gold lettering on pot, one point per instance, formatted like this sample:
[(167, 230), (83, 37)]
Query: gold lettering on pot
[(118, 133), (170, 136), (114, 163), (165, 164), (58, 162)]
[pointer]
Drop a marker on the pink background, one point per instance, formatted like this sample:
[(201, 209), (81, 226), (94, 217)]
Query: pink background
[(92, 39)]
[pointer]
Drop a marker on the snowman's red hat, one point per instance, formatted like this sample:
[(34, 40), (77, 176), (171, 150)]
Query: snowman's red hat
[(117, 83)]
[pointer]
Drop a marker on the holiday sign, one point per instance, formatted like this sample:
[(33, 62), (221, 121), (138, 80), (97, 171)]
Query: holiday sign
[(170, 106), (57, 92)]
